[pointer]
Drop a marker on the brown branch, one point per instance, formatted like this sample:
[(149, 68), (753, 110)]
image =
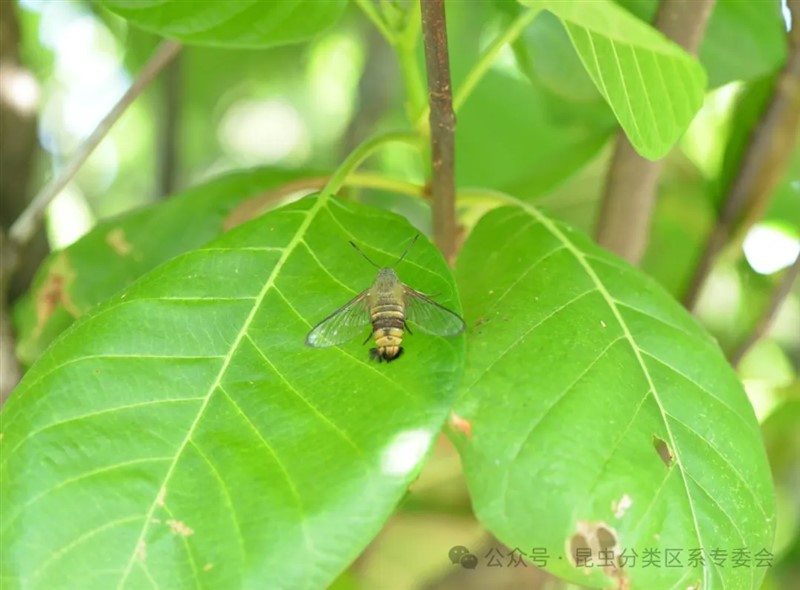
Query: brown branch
[(770, 312), (169, 130), (26, 225), (442, 125), (763, 162), (632, 181)]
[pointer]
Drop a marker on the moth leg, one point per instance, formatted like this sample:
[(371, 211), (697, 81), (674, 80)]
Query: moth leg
[(405, 325), (367, 339), (375, 355)]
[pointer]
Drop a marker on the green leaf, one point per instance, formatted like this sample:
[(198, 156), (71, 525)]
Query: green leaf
[(743, 41), (548, 55), (182, 435), (652, 85), (118, 251), (596, 402), (513, 135), (244, 23)]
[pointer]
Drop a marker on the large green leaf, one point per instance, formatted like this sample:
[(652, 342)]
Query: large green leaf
[(118, 251), (244, 23), (653, 86), (183, 436), (600, 408)]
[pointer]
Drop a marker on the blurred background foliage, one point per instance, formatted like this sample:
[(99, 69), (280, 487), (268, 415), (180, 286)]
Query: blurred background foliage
[(535, 127)]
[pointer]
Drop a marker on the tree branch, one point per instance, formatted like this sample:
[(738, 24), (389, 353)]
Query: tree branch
[(763, 162), (632, 181), (25, 226), (770, 312), (169, 131), (442, 125)]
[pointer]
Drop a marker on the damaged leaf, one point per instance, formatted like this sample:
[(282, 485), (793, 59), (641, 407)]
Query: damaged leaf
[(118, 251), (594, 397), (195, 438)]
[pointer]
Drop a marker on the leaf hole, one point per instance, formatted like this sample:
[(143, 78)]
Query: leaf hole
[(606, 539), (663, 450), (578, 548)]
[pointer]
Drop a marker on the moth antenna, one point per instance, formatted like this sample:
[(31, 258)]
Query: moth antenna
[(414, 241), (353, 244)]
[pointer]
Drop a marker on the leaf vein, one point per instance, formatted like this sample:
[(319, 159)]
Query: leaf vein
[(292, 488), (93, 414), (704, 390), (637, 353), (727, 462), (304, 225), (108, 468), (226, 494), (550, 315)]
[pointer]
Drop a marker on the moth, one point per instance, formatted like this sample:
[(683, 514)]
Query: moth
[(387, 306)]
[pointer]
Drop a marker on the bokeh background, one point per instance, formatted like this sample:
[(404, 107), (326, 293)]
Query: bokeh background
[(535, 127)]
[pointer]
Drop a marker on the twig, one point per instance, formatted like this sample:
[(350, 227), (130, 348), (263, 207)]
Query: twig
[(632, 182), (478, 71), (442, 125), (763, 162), (25, 226), (168, 148), (770, 312)]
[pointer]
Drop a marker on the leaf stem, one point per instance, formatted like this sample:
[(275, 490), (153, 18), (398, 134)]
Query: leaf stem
[(361, 153), (406, 48), (368, 8), (482, 66)]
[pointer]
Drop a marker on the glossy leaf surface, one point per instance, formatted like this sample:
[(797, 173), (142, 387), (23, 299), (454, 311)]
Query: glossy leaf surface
[(201, 442)]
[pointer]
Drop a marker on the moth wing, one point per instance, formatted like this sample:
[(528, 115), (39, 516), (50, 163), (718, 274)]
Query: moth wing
[(429, 316), (342, 325)]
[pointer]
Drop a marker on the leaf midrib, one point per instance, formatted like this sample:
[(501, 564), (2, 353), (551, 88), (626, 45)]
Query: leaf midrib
[(287, 251), (610, 301)]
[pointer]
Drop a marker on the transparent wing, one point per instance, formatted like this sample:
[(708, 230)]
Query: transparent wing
[(342, 325), (429, 316)]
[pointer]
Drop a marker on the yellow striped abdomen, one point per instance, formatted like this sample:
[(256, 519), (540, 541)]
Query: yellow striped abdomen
[(388, 321)]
